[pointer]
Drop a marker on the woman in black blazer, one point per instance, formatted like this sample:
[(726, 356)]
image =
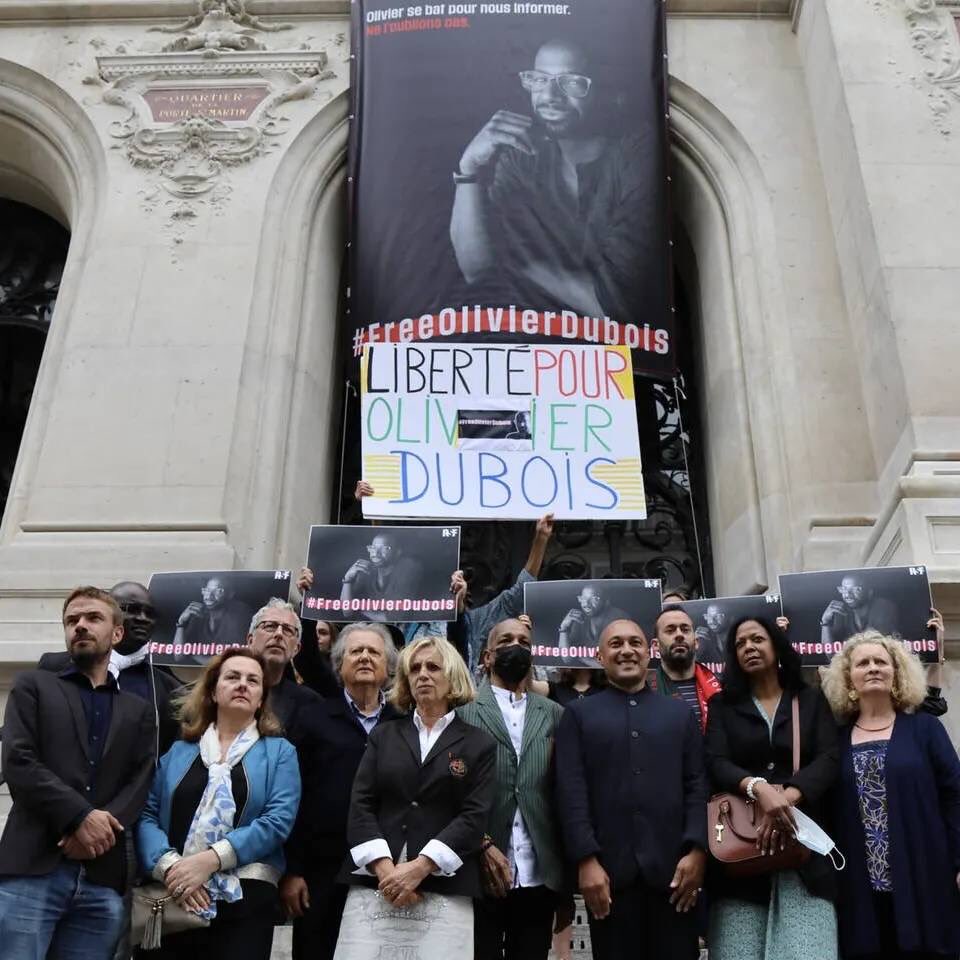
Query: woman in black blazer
[(749, 744), (417, 814)]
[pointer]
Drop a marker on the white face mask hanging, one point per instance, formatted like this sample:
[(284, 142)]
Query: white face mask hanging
[(815, 838)]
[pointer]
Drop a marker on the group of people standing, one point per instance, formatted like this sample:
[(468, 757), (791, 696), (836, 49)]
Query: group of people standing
[(393, 807)]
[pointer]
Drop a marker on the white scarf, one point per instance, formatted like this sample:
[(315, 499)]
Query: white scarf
[(121, 661), (217, 808)]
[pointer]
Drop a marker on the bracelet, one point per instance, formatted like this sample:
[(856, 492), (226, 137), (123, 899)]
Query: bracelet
[(459, 178), (751, 783), (487, 842)]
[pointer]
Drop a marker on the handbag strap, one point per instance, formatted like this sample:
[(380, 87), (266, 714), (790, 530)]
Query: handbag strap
[(796, 733)]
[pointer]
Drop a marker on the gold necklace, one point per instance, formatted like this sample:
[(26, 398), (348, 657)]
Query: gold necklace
[(876, 729)]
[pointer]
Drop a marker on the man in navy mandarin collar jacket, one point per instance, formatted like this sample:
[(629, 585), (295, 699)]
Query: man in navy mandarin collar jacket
[(632, 801)]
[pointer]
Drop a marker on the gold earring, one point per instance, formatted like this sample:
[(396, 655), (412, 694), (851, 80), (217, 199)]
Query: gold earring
[(854, 696)]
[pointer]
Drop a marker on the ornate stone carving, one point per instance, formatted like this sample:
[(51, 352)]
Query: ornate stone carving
[(934, 34), (214, 64), (219, 25), (208, 101), (233, 10)]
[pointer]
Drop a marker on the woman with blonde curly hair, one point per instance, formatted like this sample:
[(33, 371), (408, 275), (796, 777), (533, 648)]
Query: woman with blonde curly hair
[(418, 810), (897, 807)]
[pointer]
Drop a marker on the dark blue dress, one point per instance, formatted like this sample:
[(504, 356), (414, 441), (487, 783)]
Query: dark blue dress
[(922, 788)]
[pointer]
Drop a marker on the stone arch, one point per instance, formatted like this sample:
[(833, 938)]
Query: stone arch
[(722, 201), (280, 478), (50, 158)]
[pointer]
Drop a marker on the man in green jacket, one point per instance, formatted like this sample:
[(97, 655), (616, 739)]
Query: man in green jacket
[(522, 860)]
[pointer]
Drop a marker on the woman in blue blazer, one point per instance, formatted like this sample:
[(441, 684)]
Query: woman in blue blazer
[(224, 800), (897, 808)]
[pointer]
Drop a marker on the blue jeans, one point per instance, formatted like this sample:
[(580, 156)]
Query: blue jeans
[(58, 916)]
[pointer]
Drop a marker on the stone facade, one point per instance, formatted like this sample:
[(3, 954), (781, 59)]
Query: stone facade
[(816, 152)]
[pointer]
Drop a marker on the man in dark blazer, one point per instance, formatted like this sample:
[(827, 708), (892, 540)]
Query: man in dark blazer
[(275, 635), (337, 728), (132, 665), (78, 755), (522, 861), (632, 803)]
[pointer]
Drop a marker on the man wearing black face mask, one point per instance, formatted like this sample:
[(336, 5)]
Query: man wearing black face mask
[(522, 861)]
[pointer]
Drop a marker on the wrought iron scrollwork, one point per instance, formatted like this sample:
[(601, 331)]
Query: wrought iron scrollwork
[(664, 546), (671, 544), (33, 250)]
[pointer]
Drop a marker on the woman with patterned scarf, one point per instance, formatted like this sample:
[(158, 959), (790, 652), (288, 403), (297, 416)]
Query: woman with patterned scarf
[(224, 800)]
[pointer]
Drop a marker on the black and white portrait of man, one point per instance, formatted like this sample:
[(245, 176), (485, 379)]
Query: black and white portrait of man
[(383, 572), (199, 612), (858, 608), (568, 616), (556, 201), (584, 623), (217, 617), (521, 426), (825, 608), (712, 635)]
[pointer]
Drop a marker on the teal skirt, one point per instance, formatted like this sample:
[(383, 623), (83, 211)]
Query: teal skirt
[(794, 925)]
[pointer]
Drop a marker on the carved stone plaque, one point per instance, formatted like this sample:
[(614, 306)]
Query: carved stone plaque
[(225, 103)]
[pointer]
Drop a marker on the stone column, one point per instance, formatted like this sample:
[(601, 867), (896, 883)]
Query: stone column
[(884, 83), (165, 402)]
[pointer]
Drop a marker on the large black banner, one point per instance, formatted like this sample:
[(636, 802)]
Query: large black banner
[(509, 175)]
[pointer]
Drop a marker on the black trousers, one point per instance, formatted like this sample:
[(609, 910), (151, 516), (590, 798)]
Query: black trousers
[(887, 930), (315, 933), (644, 925), (518, 926), (240, 931)]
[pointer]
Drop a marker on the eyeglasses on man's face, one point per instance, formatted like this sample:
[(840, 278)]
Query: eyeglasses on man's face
[(572, 84), (270, 626)]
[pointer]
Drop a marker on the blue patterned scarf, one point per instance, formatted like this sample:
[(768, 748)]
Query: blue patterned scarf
[(217, 808)]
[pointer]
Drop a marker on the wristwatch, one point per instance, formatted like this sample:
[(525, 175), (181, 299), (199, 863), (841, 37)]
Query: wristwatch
[(459, 177)]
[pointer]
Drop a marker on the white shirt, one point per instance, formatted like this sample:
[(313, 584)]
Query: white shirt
[(429, 736), (448, 863), (520, 853)]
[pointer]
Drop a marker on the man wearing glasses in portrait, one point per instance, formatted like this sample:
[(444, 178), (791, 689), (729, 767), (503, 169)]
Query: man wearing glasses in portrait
[(561, 204), (218, 617), (384, 574)]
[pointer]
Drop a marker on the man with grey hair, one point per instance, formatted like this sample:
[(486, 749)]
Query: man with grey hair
[(364, 659), (275, 635)]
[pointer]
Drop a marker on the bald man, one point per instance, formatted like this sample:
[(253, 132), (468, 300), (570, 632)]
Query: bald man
[(632, 794)]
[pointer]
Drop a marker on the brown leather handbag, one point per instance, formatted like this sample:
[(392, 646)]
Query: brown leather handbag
[(732, 828)]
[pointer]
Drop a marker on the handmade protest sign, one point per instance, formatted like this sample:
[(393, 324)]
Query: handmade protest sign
[(466, 121), (713, 618), (392, 574), (501, 431), (202, 612), (568, 616), (827, 607)]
